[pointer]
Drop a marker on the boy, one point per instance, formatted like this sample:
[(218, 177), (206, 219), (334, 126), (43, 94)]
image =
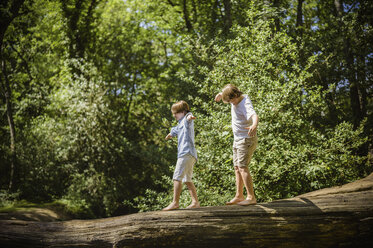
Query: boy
[(244, 126), (186, 155)]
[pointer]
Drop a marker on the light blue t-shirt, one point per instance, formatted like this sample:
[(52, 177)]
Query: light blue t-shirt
[(185, 137)]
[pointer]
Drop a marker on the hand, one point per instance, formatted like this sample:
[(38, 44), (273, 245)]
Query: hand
[(218, 97), (168, 137), (252, 130), (191, 117)]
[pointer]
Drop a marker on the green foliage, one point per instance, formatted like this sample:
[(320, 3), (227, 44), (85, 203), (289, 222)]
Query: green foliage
[(84, 139), (91, 87), (294, 156), (7, 199)]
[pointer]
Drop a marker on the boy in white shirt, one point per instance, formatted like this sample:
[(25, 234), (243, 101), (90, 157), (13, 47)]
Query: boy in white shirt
[(244, 126)]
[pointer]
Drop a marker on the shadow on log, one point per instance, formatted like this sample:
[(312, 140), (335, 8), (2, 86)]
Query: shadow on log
[(333, 217)]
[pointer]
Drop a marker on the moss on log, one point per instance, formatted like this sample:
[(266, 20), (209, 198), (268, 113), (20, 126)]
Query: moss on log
[(333, 217)]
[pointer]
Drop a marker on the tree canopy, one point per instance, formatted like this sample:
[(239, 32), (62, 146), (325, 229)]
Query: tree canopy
[(87, 86)]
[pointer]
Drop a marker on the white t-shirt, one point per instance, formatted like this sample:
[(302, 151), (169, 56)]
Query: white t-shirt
[(241, 118)]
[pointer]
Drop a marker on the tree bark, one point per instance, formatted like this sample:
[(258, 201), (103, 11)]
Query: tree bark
[(9, 11), (334, 217), (9, 112), (299, 28), (188, 24), (357, 114), (79, 21), (227, 16), (8, 15), (361, 78), (299, 14)]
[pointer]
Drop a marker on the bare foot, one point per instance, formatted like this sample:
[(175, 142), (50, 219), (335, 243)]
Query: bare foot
[(234, 201), (247, 202), (193, 205), (172, 206)]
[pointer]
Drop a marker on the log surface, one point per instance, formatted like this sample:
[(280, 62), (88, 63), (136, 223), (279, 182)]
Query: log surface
[(333, 217)]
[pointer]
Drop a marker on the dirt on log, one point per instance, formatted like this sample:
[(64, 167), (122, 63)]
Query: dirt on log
[(333, 217)]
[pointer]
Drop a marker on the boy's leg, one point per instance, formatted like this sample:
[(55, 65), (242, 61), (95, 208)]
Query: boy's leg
[(245, 150), (248, 181), (239, 188), (178, 186), (193, 194), (183, 172), (239, 183), (188, 181)]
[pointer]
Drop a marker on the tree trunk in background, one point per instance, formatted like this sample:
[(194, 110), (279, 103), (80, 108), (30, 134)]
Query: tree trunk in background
[(79, 20), (361, 78), (333, 217), (186, 17), (299, 29), (299, 15), (72, 17), (7, 16), (227, 16), (9, 112), (349, 67), (214, 16)]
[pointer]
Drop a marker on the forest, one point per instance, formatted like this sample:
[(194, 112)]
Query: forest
[(86, 88)]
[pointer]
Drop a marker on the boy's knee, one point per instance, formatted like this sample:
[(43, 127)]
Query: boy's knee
[(188, 184), (242, 169)]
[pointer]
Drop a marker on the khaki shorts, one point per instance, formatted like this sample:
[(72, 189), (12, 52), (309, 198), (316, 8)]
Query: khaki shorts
[(184, 168), (243, 151)]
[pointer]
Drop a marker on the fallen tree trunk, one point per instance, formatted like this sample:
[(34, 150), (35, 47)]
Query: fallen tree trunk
[(333, 217)]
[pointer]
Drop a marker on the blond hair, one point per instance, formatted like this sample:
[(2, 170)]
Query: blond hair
[(179, 107), (229, 92)]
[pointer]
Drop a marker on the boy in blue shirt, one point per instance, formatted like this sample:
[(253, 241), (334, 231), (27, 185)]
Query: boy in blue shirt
[(186, 154)]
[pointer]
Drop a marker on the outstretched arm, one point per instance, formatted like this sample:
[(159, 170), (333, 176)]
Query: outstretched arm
[(168, 136), (218, 97), (191, 117)]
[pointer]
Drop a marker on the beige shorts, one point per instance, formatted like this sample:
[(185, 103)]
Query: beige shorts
[(243, 151), (184, 168)]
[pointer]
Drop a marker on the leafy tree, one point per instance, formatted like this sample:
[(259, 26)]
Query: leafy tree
[(9, 10), (87, 87), (294, 156)]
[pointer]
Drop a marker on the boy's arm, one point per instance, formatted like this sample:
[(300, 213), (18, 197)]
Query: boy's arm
[(252, 129), (191, 117), (218, 97), (172, 134)]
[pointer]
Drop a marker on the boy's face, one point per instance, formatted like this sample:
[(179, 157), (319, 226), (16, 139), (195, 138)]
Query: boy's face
[(235, 100), (178, 116)]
